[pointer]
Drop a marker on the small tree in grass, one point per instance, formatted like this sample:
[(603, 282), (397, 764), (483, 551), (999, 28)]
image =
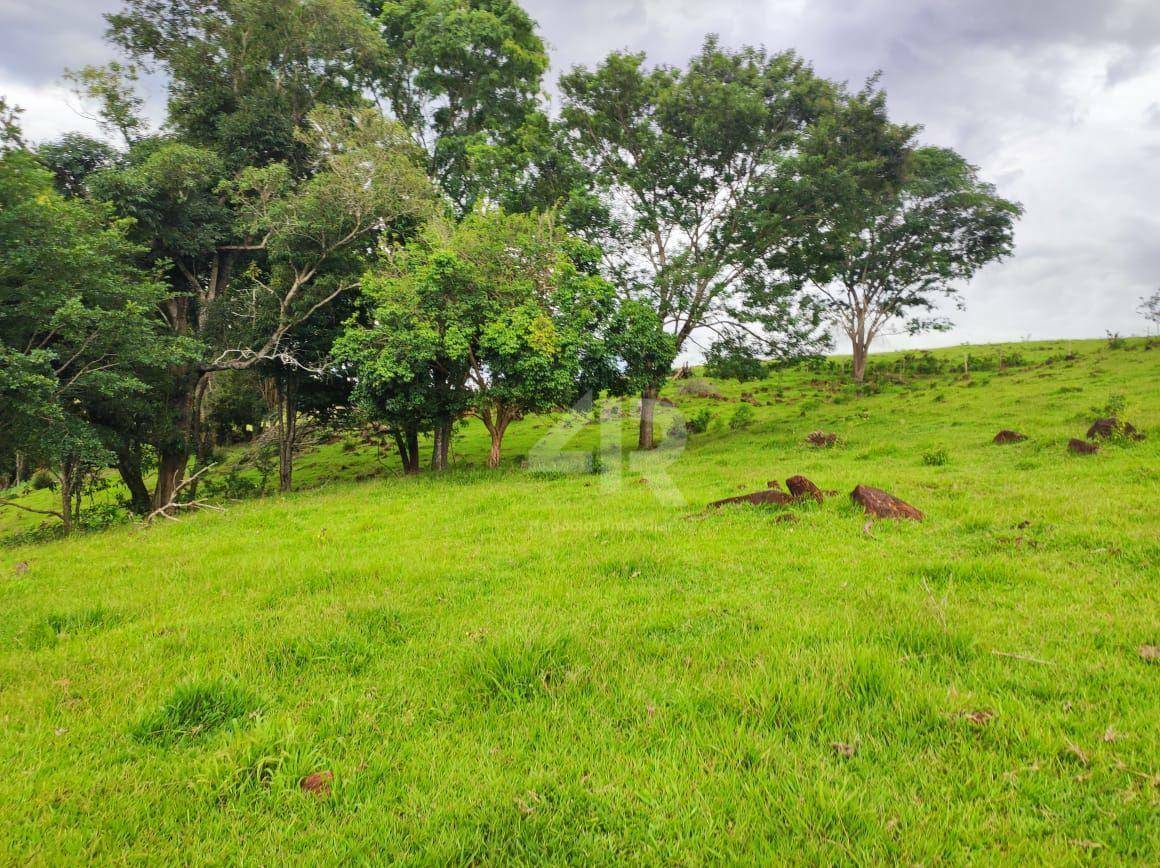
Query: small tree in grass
[(887, 226), (1150, 308), (497, 317)]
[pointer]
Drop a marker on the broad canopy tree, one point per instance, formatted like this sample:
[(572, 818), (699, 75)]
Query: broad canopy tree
[(265, 202), (463, 76), (77, 323), (496, 317), (885, 225), (679, 160)]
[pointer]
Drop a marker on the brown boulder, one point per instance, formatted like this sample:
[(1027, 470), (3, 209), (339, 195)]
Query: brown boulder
[(1081, 447), (801, 488), (1009, 436), (881, 504), (769, 497)]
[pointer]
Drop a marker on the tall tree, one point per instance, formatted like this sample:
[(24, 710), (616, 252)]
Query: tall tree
[(76, 322), (464, 76), (887, 226), (244, 74), (679, 159), (274, 187)]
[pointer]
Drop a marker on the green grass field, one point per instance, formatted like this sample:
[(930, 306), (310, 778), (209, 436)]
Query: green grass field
[(516, 666)]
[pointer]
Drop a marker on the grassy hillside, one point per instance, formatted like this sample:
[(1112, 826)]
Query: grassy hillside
[(522, 665)]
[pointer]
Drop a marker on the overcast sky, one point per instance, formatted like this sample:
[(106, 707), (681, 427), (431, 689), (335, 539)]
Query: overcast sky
[(1057, 101)]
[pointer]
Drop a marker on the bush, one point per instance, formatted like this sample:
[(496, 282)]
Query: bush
[(741, 417), (1113, 407), (596, 463), (41, 480), (104, 515), (699, 388), (731, 358), (699, 422), (935, 458)]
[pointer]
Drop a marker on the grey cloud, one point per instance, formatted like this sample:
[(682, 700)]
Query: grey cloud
[(39, 38), (1009, 83)]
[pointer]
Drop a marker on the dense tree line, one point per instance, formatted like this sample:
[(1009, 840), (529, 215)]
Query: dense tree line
[(364, 209)]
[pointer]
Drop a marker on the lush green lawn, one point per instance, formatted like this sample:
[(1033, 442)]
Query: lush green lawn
[(517, 666)]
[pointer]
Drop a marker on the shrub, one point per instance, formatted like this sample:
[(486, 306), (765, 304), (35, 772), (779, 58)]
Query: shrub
[(41, 480), (1115, 342), (741, 417), (1113, 407), (935, 458), (232, 486), (698, 423), (733, 359), (596, 462), (104, 515), (699, 388)]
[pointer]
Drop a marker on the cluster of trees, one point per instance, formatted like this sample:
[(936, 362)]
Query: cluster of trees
[(364, 206)]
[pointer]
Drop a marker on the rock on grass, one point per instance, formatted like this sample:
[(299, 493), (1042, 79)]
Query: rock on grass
[(882, 504)]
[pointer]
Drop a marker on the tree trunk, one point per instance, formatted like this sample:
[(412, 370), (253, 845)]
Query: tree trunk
[(287, 391), (441, 447), (200, 437), (497, 431), (861, 350), (412, 463), (129, 466), (67, 479), (648, 403), (173, 456), (171, 464), (19, 469)]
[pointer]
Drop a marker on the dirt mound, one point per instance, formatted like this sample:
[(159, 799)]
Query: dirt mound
[(882, 504), (1009, 436), (1081, 447), (769, 497), (1106, 429), (801, 488)]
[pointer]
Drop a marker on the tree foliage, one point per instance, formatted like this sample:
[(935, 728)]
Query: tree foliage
[(887, 226), (76, 321), (498, 316), (464, 77), (680, 159)]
